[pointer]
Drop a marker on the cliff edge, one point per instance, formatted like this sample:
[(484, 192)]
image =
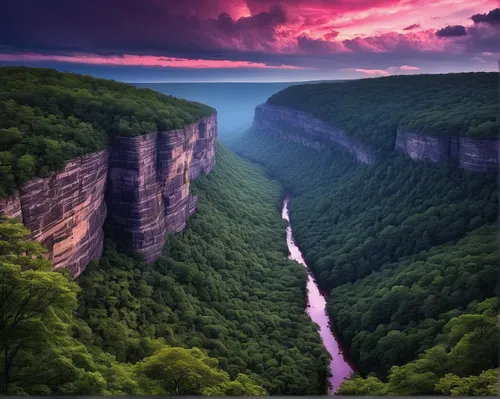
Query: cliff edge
[(141, 183), (148, 192), (479, 155), (474, 154), (307, 130)]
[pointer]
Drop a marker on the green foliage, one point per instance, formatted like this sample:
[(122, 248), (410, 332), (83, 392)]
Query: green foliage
[(38, 354), (48, 117), (178, 371), (414, 298), (371, 110), (474, 334), (223, 285), (351, 220), (46, 350), (485, 384)]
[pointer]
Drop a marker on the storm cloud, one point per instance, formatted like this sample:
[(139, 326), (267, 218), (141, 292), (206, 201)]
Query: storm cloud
[(293, 36)]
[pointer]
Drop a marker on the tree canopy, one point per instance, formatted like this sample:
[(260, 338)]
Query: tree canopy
[(46, 350)]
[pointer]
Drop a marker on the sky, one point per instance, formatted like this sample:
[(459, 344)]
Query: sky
[(251, 40)]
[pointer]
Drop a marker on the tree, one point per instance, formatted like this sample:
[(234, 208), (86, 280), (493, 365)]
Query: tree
[(363, 386), (241, 386), (178, 371), (485, 384)]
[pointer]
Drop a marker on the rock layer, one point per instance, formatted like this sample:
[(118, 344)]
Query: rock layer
[(149, 181), (145, 184), (473, 154), (307, 130), (65, 211)]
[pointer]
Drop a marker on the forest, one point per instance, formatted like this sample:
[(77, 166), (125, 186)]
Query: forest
[(409, 252), (372, 110), (221, 313), (48, 117)]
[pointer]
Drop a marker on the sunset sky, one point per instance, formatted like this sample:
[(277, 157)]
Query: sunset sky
[(251, 40)]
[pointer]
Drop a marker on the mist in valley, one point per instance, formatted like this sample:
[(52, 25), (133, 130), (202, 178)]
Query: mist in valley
[(235, 102)]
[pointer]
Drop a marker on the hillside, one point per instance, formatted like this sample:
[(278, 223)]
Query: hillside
[(49, 117)]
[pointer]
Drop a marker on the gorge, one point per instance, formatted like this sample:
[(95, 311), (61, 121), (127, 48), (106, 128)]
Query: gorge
[(403, 244), (393, 204)]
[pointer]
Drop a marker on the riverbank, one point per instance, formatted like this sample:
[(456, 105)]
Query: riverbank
[(340, 366)]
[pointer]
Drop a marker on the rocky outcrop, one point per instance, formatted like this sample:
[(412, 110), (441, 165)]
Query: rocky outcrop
[(144, 185), (149, 182), (66, 211), (473, 154), (307, 130)]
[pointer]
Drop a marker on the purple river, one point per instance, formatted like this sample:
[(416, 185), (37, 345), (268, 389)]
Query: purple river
[(316, 308)]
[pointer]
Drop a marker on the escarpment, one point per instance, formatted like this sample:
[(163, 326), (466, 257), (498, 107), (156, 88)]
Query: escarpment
[(474, 154), (141, 183), (307, 130)]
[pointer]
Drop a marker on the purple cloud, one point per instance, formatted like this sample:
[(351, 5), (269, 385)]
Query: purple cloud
[(452, 31), (411, 27), (493, 17)]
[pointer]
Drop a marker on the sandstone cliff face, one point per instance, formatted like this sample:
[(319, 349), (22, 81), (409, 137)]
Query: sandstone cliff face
[(149, 181), (65, 211), (145, 183), (473, 154), (307, 130), (303, 128)]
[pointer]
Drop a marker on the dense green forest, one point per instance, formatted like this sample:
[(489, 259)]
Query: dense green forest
[(48, 117), (409, 251), (221, 313), (46, 350), (371, 110)]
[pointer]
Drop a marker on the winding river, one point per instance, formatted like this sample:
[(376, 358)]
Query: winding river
[(316, 308)]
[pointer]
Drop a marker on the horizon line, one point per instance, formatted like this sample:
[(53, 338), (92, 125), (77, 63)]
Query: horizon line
[(246, 81)]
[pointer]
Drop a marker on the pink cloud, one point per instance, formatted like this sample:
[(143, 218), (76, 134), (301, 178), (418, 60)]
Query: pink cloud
[(144, 60), (409, 68), (394, 70), (369, 72)]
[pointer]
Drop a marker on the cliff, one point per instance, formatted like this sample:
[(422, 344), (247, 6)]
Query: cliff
[(473, 154), (142, 181), (307, 130), (65, 211), (149, 180)]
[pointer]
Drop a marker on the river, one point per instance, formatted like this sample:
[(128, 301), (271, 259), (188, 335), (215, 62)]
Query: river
[(316, 308)]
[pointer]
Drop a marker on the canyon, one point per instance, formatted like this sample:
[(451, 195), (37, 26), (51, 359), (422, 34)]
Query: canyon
[(141, 184), (474, 154)]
